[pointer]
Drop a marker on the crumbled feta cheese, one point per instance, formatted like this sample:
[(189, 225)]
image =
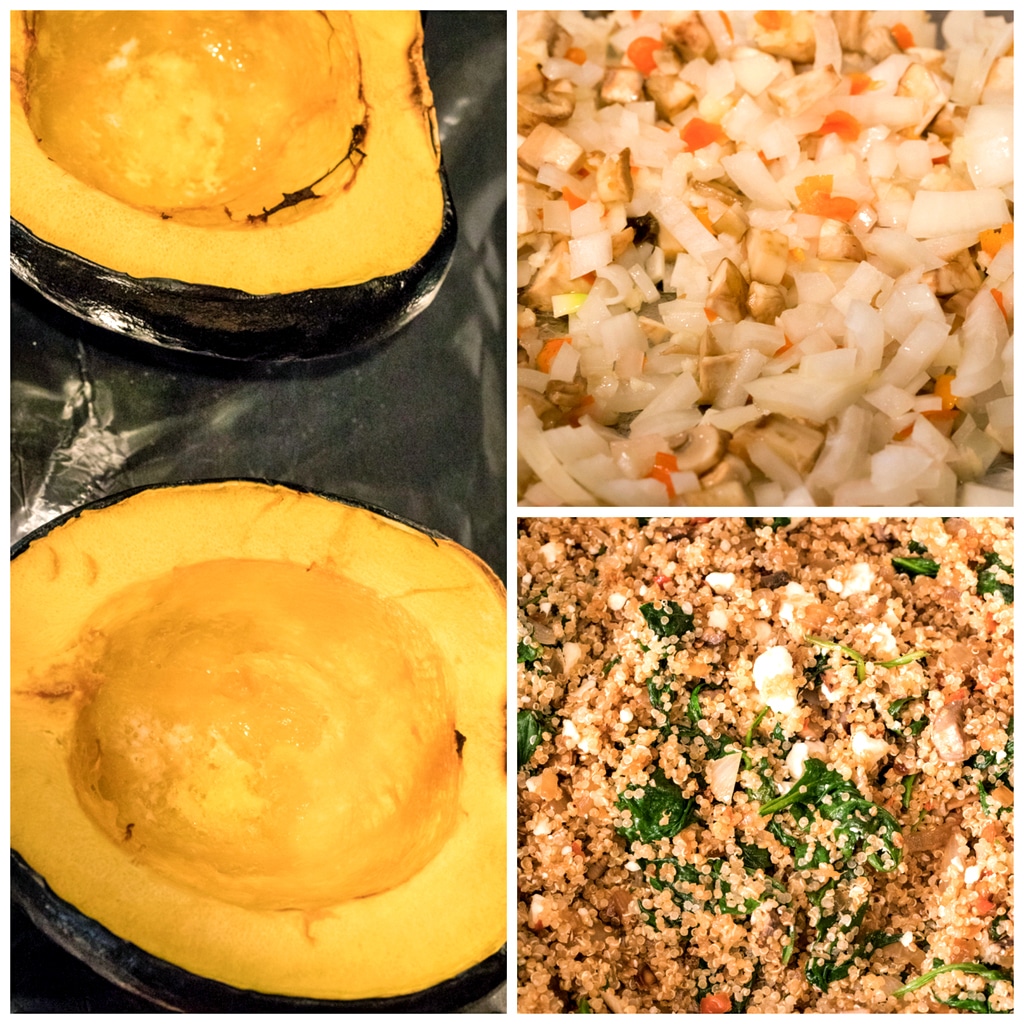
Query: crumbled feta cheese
[(569, 730), (536, 910), (625, 715), (794, 597), (859, 580), (796, 759), (972, 874), (834, 585), (550, 552), (571, 654), (616, 601), (631, 865), (774, 679), (720, 582), (868, 749), (718, 618)]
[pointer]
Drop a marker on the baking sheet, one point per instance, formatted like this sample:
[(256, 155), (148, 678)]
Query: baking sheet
[(417, 427)]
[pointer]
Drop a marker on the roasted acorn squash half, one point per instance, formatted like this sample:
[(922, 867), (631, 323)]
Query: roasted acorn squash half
[(255, 185), (258, 750)]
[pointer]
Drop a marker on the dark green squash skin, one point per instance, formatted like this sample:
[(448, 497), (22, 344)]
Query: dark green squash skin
[(172, 987), (232, 324)]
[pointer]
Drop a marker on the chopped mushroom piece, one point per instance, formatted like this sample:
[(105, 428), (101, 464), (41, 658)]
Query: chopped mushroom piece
[(767, 255), (947, 735), (801, 92), (547, 145), (730, 470), (796, 443), (552, 279), (924, 85), (794, 39), (687, 33), (766, 302), (622, 85), (955, 276), (553, 106), (727, 296), (729, 492), (715, 373), (850, 26), (878, 43), (671, 95), (615, 180), (543, 27), (702, 449), (836, 241)]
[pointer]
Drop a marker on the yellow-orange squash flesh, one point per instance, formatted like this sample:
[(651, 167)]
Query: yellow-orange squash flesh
[(270, 152), (260, 734)]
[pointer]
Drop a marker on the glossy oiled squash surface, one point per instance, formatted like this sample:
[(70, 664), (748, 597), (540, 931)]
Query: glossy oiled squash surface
[(323, 120), (264, 739)]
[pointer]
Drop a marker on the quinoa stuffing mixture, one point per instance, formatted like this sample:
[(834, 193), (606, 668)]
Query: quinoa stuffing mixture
[(765, 765)]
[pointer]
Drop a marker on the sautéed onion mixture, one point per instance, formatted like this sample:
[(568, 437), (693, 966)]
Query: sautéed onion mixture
[(765, 257)]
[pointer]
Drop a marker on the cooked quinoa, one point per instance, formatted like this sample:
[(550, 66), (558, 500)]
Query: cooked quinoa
[(766, 765)]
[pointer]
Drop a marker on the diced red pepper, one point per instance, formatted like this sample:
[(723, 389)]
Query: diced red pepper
[(860, 82), (903, 36), (716, 1002), (641, 52), (698, 133), (993, 239), (943, 388), (772, 21), (574, 201), (815, 195), (547, 354), (840, 123), (665, 464)]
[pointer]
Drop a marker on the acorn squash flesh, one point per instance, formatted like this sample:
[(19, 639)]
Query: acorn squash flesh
[(264, 742), (194, 178)]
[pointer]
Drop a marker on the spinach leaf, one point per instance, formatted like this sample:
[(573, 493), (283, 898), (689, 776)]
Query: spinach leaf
[(659, 812), (990, 759), (755, 858), (916, 727), (822, 972), (916, 566), (917, 549), (668, 620), (908, 788), (972, 1002), (988, 578), (825, 793), (775, 523), (766, 789), (685, 878), (661, 695), (753, 727), (860, 660), (528, 735), (583, 1006), (527, 653)]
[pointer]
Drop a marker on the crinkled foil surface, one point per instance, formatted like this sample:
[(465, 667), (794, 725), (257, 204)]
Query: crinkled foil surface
[(417, 428)]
